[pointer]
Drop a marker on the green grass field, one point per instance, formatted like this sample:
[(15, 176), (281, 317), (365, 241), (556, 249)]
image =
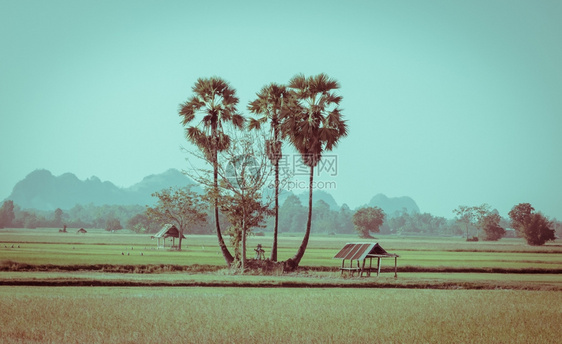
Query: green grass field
[(47, 246), (447, 291)]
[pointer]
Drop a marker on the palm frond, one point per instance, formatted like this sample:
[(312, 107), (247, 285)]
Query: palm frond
[(237, 121), (255, 124)]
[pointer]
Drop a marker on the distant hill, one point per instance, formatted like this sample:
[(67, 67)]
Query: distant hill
[(319, 195), (392, 205), (42, 190)]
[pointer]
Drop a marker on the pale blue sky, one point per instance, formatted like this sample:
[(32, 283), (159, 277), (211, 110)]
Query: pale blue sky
[(448, 102)]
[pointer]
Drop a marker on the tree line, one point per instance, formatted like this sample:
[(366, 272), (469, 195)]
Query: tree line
[(292, 219)]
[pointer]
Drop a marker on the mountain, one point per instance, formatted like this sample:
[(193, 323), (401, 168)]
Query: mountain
[(42, 190), (317, 196), (392, 205), (156, 182)]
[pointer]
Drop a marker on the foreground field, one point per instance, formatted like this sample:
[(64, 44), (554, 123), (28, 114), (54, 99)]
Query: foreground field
[(254, 315)]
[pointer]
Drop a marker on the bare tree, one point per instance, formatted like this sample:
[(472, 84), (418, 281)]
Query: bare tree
[(242, 172)]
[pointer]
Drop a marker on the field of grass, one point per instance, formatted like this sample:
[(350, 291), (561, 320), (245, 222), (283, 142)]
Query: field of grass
[(447, 291), (258, 315), (47, 246)]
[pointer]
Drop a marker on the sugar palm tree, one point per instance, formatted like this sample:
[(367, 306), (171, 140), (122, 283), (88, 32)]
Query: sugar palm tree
[(214, 103), (314, 126), (271, 101)]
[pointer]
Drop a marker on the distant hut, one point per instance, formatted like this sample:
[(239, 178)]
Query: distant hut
[(167, 231), (81, 231), (357, 255)]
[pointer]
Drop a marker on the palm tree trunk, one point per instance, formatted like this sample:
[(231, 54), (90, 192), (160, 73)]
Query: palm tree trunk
[(225, 252), (243, 238), (276, 228), (300, 253)]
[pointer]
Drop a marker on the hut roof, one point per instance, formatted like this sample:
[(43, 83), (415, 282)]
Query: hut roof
[(167, 231), (362, 250)]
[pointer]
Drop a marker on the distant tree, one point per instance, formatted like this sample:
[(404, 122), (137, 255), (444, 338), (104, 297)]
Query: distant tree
[(178, 206), (141, 223), (324, 218), (466, 215), (113, 224), (534, 227), (519, 215), (367, 220), (481, 218), (557, 227), (345, 219), (292, 215), (490, 224), (58, 217), (29, 220), (7, 214)]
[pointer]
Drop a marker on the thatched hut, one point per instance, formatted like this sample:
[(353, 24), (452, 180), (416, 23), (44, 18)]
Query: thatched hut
[(357, 255), (167, 231)]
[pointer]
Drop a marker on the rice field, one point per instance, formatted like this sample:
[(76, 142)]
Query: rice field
[(284, 315), (47, 246), (447, 291)]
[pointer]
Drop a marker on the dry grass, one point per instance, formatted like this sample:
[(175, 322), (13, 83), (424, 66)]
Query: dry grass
[(242, 315)]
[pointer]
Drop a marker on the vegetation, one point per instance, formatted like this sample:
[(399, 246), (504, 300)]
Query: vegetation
[(292, 219), (534, 227), (367, 220), (313, 126), (271, 101), (241, 198), (113, 224), (7, 214), (150, 315), (483, 220), (180, 207), (490, 224), (215, 102)]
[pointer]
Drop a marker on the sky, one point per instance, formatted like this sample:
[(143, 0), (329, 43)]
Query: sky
[(448, 102)]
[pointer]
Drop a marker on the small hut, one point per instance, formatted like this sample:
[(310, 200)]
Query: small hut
[(167, 231), (81, 231), (357, 255)]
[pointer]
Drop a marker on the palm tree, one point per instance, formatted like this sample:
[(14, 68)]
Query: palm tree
[(314, 126), (214, 100), (270, 104)]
